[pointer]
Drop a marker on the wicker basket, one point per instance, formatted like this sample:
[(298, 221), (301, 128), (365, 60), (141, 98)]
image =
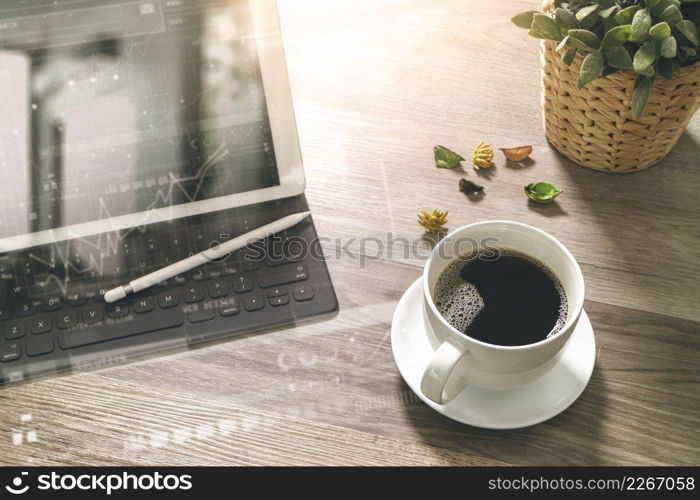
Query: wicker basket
[(594, 127)]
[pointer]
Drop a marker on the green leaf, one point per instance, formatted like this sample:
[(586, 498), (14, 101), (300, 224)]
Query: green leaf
[(689, 30), (547, 27), (468, 187), (690, 51), (642, 90), (588, 16), (616, 36), (445, 158), (666, 68), (618, 57), (609, 70), (565, 19), (542, 192), (625, 16), (650, 71), (669, 47), (591, 68), (651, 3), (562, 45), (568, 57), (605, 14), (536, 34), (645, 56), (660, 30), (524, 19), (672, 15), (587, 38), (641, 23)]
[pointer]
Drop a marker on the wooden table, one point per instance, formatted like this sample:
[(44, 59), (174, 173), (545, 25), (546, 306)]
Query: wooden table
[(377, 84)]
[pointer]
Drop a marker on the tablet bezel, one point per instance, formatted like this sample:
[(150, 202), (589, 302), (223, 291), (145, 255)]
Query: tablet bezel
[(285, 138)]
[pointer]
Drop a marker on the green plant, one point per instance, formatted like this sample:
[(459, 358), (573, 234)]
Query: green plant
[(649, 37)]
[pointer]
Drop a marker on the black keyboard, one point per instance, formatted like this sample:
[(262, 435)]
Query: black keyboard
[(53, 316)]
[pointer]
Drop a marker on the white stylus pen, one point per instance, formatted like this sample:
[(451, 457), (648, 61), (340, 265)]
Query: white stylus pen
[(211, 254)]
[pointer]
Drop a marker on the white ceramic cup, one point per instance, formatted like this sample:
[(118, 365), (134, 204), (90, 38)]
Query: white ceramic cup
[(460, 360)]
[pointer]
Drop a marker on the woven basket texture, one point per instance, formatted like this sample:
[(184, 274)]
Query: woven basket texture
[(594, 127)]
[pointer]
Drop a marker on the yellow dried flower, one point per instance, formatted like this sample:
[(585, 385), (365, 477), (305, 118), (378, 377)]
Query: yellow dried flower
[(433, 221), (482, 156)]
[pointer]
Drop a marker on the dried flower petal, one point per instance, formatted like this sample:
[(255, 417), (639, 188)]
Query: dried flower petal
[(468, 187), (445, 158), (482, 156), (517, 154), (433, 221), (542, 192)]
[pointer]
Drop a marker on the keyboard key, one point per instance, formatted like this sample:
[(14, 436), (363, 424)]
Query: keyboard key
[(217, 288), (36, 346), (143, 305), (179, 280), (254, 302), (100, 293), (302, 293), (200, 237), (200, 274), (280, 300), (24, 308), (168, 299), (52, 303), (6, 266), (4, 313), (193, 294), (75, 298), (10, 352), (151, 244), (117, 310), (282, 252), (228, 268), (67, 320), (283, 276), (93, 315), (276, 292), (229, 308), (14, 331), (143, 324), (200, 316), (17, 291), (250, 265), (242, 284), (175, 240), (40, 325)]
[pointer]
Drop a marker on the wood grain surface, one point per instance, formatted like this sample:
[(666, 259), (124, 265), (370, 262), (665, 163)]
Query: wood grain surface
[(377, 84)]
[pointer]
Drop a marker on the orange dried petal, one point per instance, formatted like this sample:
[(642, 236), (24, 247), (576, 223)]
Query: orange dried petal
[(517, 154)]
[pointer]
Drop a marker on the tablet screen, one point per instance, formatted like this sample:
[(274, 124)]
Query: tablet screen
[(110, 108)]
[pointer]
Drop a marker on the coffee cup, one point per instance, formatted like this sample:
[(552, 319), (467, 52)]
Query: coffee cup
[(459, 360)]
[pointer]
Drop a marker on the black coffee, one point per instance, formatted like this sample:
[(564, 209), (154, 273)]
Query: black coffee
[(504, 298)]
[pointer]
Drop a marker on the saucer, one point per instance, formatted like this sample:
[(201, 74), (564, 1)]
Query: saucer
[(531, 404)]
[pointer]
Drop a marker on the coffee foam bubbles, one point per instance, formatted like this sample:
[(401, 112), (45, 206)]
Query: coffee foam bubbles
[(459, 302)]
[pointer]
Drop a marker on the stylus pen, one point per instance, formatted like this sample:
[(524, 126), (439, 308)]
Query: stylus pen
[(209, 255)]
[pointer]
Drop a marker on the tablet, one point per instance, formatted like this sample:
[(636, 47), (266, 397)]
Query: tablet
[(116, 114)]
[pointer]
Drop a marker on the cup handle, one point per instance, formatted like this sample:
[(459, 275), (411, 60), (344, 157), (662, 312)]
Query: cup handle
[(438, 372)]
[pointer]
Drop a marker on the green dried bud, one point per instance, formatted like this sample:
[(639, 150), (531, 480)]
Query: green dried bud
[(445, 158), (542, 192)]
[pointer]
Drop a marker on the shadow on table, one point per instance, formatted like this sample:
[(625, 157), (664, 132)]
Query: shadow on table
[(648, 219), (571, 438)]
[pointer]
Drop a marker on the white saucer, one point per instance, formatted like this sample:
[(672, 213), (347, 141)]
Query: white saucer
[(521, 407)]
